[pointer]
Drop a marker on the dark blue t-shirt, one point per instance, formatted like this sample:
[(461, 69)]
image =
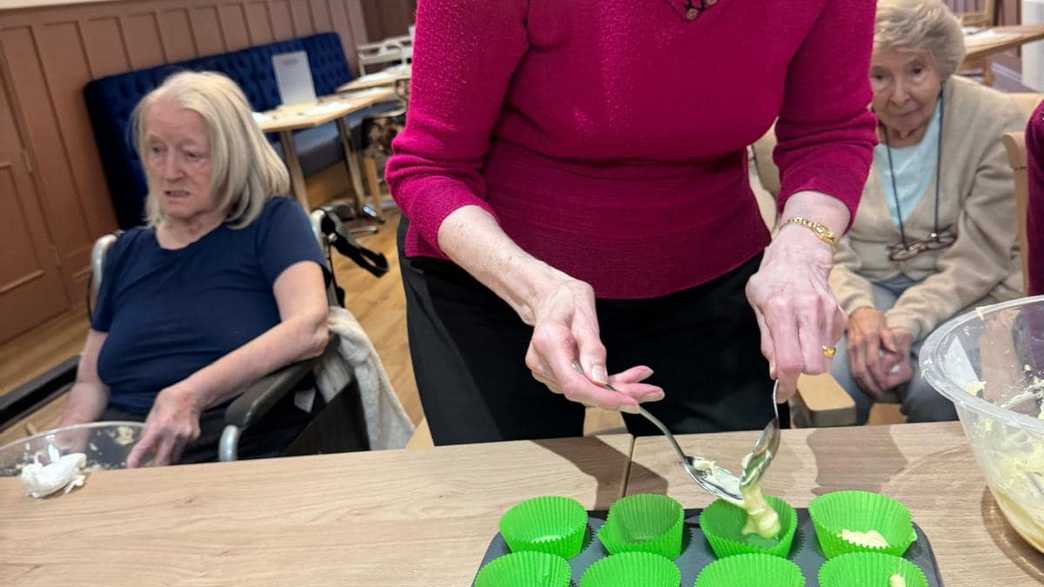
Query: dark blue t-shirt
[(169, 313)]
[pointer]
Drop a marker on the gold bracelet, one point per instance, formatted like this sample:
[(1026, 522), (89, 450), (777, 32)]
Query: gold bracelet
[(821, 230)]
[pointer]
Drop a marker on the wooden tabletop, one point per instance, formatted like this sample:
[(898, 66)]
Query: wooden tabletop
[(329, 108), (388, 518), (990, 40), (929, 467), (425, 517), (385, 77)]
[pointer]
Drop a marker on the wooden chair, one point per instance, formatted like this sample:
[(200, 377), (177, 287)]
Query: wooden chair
[(1015, 144), (980, 68)]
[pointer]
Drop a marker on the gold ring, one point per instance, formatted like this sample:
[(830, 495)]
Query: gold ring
[(829, 351)]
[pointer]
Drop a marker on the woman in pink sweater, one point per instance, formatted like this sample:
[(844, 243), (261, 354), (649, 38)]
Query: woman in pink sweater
[(573, 182)]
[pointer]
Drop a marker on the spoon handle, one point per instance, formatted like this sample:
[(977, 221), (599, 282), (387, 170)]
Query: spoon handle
[(663, 428), (645, 414)]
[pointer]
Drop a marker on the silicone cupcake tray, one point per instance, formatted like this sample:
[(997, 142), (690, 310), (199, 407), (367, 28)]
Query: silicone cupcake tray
[(696, 553)]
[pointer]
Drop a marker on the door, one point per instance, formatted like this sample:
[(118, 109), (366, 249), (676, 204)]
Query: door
[(31, 289)]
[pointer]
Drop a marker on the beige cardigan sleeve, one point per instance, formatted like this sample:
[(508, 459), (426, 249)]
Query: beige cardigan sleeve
[(979, 259), (853, 291)]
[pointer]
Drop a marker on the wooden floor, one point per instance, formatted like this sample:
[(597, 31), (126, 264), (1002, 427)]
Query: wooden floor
[(29, 355), (378, 303), (380, 306)]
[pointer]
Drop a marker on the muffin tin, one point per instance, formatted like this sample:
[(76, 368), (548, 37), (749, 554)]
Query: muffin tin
[(696, 552)]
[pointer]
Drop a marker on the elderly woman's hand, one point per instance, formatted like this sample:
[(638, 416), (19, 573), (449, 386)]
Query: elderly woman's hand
[(172, 424), (796, 310), (865, 357), (895, 364), (566, 353)]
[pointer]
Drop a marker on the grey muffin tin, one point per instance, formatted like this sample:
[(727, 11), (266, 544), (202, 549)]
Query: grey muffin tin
[(696, 552)]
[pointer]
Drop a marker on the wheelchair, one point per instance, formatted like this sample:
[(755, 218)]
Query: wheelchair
[(339, 426)]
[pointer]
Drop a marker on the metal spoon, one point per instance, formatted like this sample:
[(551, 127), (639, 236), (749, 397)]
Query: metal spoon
[(716, 480), (757, 462)]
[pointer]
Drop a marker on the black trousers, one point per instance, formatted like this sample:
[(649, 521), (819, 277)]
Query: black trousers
[(468, 349)]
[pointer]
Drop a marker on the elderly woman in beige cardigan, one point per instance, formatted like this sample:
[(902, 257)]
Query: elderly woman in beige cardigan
[(934, 232)]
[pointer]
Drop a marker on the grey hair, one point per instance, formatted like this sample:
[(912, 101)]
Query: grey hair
[(927, 25), (245, 170)]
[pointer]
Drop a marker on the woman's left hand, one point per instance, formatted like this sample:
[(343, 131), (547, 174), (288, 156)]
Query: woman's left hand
[(796, 310), (172, 424)]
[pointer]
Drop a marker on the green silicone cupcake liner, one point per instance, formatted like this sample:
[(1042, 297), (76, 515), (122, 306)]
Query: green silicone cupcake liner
[(869, 569), (722, 524), (860, 511), (525, 569), (762, 570), (555, 525), (630, 569), (645, 522)]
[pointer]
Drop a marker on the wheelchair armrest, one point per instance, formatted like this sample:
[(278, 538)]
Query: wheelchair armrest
[(260, 396), (257, 400), (26, 398)]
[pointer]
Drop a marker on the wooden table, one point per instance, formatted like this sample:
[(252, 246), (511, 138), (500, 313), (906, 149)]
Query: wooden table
[(929, 467), (286, 119), (385, 77), (992, 40), (425, 517), (386, 518)]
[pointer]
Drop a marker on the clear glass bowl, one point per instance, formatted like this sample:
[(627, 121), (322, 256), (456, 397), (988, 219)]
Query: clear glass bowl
[(106, 445), (990, 363)]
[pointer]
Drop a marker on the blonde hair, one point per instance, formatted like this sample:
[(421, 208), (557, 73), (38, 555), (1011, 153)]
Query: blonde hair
[(245, 170), (927, 25)]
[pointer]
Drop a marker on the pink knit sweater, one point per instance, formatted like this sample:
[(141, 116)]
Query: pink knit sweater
[(608, 136)]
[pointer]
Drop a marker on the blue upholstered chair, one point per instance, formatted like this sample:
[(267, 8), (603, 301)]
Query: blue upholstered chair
[(110, 101)]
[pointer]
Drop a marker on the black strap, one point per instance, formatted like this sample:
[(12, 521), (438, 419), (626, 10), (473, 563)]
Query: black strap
[(341, 239)]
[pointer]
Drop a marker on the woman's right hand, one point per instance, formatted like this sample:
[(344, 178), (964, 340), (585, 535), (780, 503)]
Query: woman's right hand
[(864, 349), (565, 336), (560, 308), (173, 423)]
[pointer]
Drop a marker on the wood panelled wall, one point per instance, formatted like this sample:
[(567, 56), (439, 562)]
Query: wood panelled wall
[(388, 18), (1007, 12), (48, 54)]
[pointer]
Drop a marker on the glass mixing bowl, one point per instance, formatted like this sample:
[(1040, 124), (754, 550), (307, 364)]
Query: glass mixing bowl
[(990, 363), (106, 445)]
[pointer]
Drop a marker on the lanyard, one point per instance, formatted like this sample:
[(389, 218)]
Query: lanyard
[(938, 173)]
